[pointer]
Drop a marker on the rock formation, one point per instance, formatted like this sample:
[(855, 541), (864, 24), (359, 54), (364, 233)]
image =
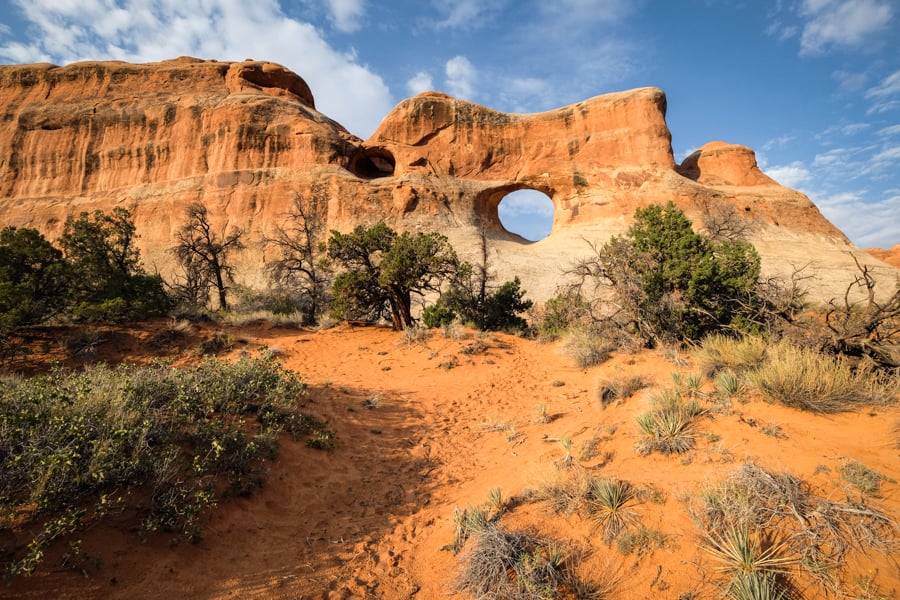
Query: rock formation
[(245, 139)]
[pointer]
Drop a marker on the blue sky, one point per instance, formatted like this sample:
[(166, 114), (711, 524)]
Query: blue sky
[(812, 85)]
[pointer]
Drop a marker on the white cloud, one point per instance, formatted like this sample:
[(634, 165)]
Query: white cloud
[(461, 77), (885, 94), (526, 202), (890, 86), (793, 175), (465, 14), (850, 81), (845, 23), (869, 223), (888, 131), (783, 32), (887, 155), (779, 142), (590, 11), (141, 31), (346, 14), (420, 82)]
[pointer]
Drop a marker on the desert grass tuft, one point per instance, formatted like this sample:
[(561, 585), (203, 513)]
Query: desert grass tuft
[(817, 534), (742, 551), (641, 541), (669, 426), (756, 586), (620, 388), (720, 352), (587, 348), (862, 477), (805, 379), (519, 566), (728, 384)]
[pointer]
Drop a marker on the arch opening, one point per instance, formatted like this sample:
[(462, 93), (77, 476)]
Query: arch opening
[(527, 213), (372, 163)]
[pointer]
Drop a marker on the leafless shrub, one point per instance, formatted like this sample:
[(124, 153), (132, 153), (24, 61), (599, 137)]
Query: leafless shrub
[(817, 533), (519, 566), (866, 328)]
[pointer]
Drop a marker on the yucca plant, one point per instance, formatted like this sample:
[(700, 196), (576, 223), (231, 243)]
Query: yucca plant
[(669, 426), (741, 551), (610, 504), (756, 586), (728, 384)]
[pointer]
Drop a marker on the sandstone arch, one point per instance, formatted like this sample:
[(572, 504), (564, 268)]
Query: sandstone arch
[(245, 139)]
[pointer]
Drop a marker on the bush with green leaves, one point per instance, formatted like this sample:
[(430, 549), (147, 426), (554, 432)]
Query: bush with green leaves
[(497, 310), (474, 298), (672, 284), (34, 278), (108, 280), (76, 445), (382, 270)]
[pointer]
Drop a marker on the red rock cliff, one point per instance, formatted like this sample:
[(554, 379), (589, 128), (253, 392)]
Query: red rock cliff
[(245, 139)]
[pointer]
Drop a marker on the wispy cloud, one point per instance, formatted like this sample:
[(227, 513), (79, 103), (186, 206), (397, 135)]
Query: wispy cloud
[(346, 14), (526, 202), (420, 82), (461, 77), (141, 31), (886, 95), (841, 23), (869, 222), (794, 175), (888, 131), (850, 81), (466, 14)]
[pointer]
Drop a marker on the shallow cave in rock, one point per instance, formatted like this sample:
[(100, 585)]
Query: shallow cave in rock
[(372, 163)]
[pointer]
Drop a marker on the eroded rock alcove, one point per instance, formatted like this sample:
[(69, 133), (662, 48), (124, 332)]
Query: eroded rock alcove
[(246, 140)]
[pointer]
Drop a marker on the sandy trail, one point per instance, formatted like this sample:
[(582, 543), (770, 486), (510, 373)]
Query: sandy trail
[(423, 428)]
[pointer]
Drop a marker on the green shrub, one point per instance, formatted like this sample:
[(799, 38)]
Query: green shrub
[(70, 442), (671, 284), (437, 316), (33, 278), (561, 313)]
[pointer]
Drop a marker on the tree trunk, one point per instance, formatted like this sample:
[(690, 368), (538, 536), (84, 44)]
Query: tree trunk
[(401, 308), (220, 286)]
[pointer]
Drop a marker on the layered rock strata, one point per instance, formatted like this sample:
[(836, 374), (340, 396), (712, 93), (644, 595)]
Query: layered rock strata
[(246, 140)]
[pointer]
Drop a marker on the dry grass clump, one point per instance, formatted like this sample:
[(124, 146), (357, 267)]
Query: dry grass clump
[(720, 352), (743, 515), (414, 335), (587, 348), (243, 318), (608, 502), (805, 379), (862, 477), (620, 388), (519, 566), (669, 425), (564, 495)]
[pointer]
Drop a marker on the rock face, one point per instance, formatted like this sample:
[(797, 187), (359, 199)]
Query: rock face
[(245, 139)]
